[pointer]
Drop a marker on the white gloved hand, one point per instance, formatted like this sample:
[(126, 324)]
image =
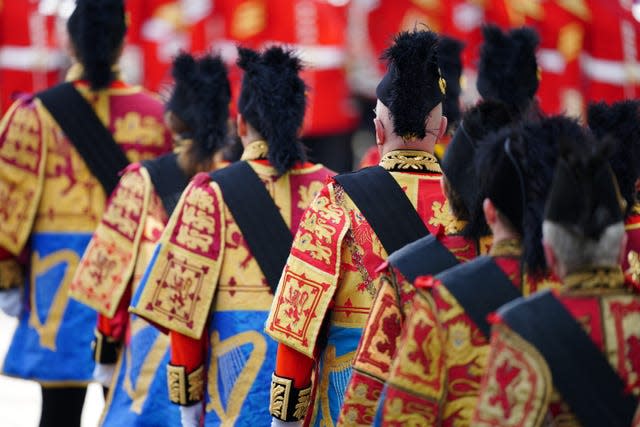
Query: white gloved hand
[(279, 423), (103, 373), (190, 415), (11, 302)]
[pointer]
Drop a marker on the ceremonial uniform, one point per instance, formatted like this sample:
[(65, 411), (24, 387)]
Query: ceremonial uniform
[(570, 357), (116, 258), (391, 306), (31, 58), (215, 329), (53, 204), (441, 354), (610, 58), (331, 274)]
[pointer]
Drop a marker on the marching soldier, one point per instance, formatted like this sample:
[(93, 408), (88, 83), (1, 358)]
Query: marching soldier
[(438, 381), (60, 152), (212, 278), (329, 281), (570, 357), (115, 259), (455, 241)]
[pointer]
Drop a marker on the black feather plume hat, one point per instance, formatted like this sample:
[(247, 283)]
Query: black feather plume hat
[(200, 98), (413, 85), (97, 29), (508, 69), (273, 101), (450, 62), (620, 121)]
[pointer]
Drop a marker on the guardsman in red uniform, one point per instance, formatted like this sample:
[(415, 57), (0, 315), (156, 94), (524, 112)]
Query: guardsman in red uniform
[(328, 284), (31, 58), (217, 264), (459, 239), (438, 382), (620, 119), (60, 152), (610, 61), (570, 357), (197, 114)]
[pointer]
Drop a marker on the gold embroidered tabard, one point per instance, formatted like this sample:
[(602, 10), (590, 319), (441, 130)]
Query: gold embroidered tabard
[(108, 262), (182, 278)]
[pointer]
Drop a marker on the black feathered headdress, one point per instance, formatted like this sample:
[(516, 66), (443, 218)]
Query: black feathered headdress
[(458, 163), (200, 98), (584, 197), (450, 62), (622, 122), (508, 68), (97, 29), (273, 101), (412, 86)]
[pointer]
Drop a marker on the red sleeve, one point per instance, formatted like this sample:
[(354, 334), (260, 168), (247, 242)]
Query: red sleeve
[(295, 365), (187, 352), (116, 326)]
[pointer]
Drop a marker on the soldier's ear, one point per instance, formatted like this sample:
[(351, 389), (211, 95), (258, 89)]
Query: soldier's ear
[(443, 127), (490, 212), (623, 248), (241, 124), (380, 135), (550, 257)]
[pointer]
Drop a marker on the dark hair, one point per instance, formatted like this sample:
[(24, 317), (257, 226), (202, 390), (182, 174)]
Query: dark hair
[(97, 29)]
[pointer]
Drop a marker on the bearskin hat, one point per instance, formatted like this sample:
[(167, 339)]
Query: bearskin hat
[(450, 62), (516, 168), (458, 162), (584, 196), (200, 98), (97, 29), (272, 100), (620, 121), (508, 68), (412, 86)]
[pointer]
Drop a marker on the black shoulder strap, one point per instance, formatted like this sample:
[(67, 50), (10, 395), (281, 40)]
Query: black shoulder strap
[(386, 207), (481, 287), (580, 371), (258, 217), (169, 181), (425, 256), (87, 133)]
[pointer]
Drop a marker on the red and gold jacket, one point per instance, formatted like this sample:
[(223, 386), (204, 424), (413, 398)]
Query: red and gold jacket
[(610, 60), (517, 389), (441, 355), (205, 287), (379, 341), (631, 261), (329, 282)]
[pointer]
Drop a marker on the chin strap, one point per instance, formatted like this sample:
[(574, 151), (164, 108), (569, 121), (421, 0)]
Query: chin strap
[(287, 402)]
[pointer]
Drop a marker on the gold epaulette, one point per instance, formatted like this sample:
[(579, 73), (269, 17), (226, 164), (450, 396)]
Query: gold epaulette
[(105, 348), (185, 389), (11, 274), (287, 402)]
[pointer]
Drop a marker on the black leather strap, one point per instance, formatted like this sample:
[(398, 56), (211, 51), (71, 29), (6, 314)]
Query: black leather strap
[(93, 141), (425, 256), (581, 372), (386, 207), (481, 287), (169, 181), (258, 217)]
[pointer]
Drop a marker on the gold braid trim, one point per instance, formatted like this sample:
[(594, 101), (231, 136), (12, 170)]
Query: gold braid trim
[(185, 389), (507, 248), (287, 402), (11, 274), (410, 161), (604, 278), (255, 150)]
